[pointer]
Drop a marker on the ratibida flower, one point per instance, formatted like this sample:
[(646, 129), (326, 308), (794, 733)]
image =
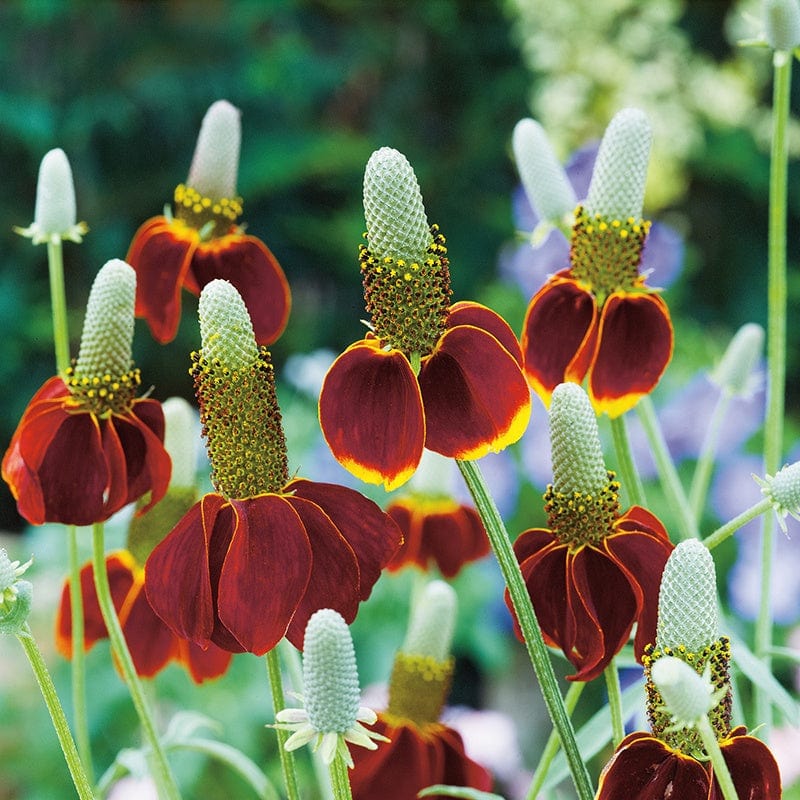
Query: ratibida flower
[(201, 239), (428, 373), (251, 562)]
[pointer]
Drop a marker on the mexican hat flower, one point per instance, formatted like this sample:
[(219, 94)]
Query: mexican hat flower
[(151, 643), (86, 445), (250, 562), (200, 239), (422, 750), (596, 319), (672, 760), (595, 571), (427, 374)]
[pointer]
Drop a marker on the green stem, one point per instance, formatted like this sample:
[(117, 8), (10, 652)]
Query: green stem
[(776, 352), (628, 476), (553, 743), (615, 703), (529, 625), (82, 784), (162, 775), (340, 780), (58, 304), (720, 768), (671, 483), (278, 704), (78, 654), (705, 462), (729, 528)]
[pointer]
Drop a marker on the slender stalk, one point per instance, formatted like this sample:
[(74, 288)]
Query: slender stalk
[(668, 475), (526, 617), (278, 704), (705, 462), (729, 528), (58, 304), (776, 352), (553, 743), (340, 780), (615, 703), (82, 783), (162, 775), (718, 764), (628, 475), (78, 661)]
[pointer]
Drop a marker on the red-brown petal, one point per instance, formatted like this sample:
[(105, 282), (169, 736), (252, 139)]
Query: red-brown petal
[(372, 534), (479, 316), (333, 582), (403, 512), (752, 766), (161, 252), (634, 347), (203, 664), (177, 573), (643, 768), (475, 397), (250, 266), (370, 412), (265, 573), (459, 769), (558, 335)]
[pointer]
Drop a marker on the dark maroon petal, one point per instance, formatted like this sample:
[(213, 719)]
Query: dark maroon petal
[(475, 397), (453, 538), (468, 313), (752, 766), (151, 643), (459, 768), (203, 664), (403, 512)]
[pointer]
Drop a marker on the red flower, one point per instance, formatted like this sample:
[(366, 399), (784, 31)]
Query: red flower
[(72, 461), (151, 643), (242, 574), (597, 320), (168, 254), (469, 398), (644, 768), (416, 757), (588, 593), (437, 530)]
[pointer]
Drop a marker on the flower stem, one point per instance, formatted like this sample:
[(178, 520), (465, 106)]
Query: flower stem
[(340, 780), (629, 477), (553, 743), (278, 704), (705, 462), (729, 528), (58, 304), (720, 768), (78, 661), (82, 784), (776, 351), (520, 599), (668, 475), (614, 703), (162, 775)]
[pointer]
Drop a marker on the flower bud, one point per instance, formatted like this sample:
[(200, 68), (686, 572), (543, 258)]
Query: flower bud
[(15, 595), (546, 184), (215, 164), (783, 491), (618, 180), (734, 373), (782, 23), (688, 697), (432, 624)]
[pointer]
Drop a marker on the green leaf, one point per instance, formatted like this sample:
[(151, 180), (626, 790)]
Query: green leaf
[(458, 791)]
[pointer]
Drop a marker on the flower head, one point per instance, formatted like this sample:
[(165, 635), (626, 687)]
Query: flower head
[(595, 570), (422, 749), (427, 374), (332, 716), (15, 594), (596, 319), (86, 445), (204, 240), (250, 562), (54, 215), (783, 491)]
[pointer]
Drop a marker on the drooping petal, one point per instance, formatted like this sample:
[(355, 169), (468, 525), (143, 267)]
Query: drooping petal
[(479, 316), (558, 335), (265, 573), (371, 533), (404, 514), (634, 347), (459, 769), (203, 664), (250, 266), (333, 582), (646, 769), (161, 252), (177, 573), (752, 766), (475, 397), (120, 569), (370, 412)]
